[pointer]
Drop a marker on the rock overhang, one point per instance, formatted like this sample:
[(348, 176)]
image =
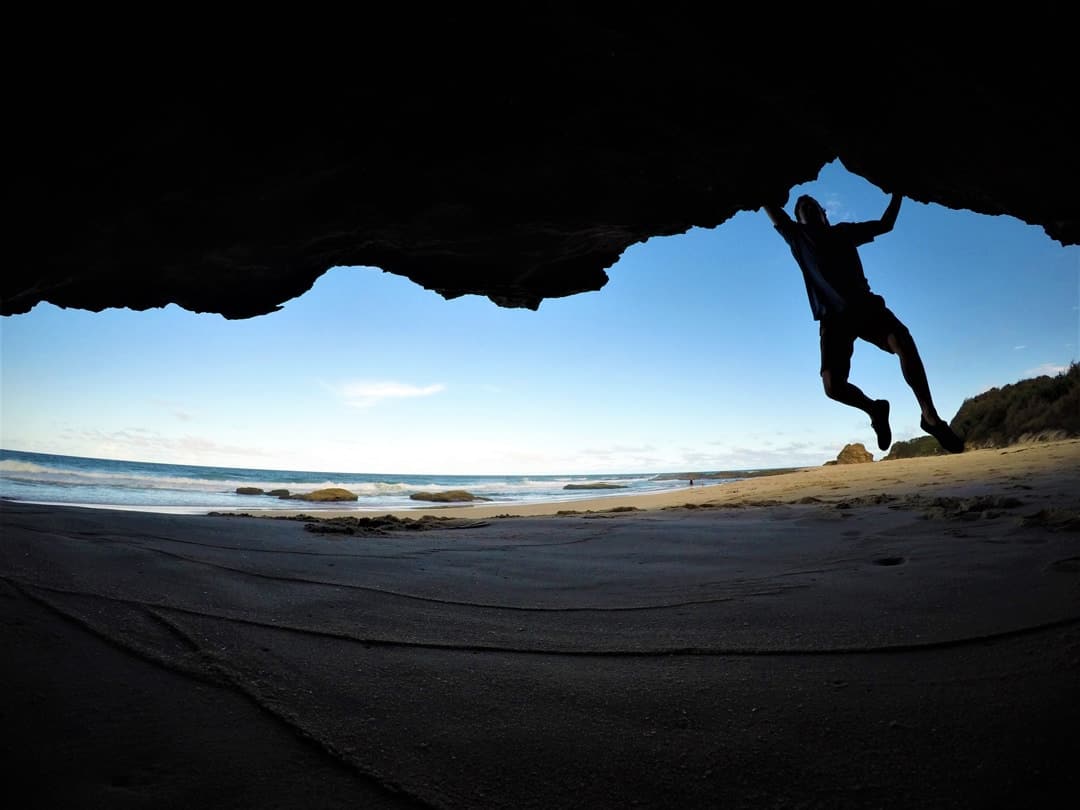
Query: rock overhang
[(521, 171)]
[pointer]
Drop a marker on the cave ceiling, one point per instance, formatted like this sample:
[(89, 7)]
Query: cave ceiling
[(519, 170)]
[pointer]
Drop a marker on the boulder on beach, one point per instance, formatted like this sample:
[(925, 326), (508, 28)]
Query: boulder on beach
[(447, 496), (329, 494), (855, 453), (596, 485), (248, 491)]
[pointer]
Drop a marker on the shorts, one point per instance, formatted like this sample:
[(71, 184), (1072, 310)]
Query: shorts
[(871, 321)]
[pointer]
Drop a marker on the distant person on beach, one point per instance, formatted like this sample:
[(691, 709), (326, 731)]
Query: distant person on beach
[(842, 302)]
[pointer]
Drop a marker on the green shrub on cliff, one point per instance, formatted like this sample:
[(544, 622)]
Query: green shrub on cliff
[(1041, 408), (922, 446)]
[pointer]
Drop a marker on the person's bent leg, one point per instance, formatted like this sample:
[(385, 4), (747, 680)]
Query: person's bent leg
[(838, 388), (837, 346), (903, 346), (877, 409)]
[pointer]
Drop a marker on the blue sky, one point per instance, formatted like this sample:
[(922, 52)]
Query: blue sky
[(699, 354)]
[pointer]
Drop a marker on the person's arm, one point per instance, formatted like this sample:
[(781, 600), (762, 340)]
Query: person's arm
[(777, 214), (862, 232), (888, 219), (775, 209)]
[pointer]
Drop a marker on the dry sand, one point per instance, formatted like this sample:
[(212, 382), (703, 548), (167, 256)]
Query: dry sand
[(895, 634)]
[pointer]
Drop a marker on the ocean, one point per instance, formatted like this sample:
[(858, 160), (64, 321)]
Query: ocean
[(186, 489)]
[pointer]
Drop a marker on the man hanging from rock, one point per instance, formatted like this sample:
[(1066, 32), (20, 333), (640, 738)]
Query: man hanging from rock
[(846, 309)]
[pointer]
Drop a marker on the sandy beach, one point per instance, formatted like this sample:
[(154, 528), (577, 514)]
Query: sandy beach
[(970, 473), (901, 634)]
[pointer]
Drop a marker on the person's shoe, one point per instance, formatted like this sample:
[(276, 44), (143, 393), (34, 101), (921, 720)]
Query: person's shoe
[(880, 423), (944, 434)]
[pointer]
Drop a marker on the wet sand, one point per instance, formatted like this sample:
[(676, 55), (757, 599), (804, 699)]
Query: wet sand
[(895, 634)]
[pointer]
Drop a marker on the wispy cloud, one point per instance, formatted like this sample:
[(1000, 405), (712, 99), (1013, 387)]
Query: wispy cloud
[(835, 209), (180, 412), (149, 445), (1018, 348), (619, 450), (1046, 369), (364, 394)]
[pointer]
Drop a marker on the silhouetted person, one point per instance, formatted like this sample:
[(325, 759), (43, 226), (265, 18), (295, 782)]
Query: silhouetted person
[(841, 300)]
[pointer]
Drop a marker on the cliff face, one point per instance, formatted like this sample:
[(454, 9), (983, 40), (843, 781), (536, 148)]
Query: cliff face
[(519, 169)]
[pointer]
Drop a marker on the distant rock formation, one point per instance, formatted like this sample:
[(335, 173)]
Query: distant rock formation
[(329, 494), (276, 493), (855, 453), (597, 485), (447, 496)]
